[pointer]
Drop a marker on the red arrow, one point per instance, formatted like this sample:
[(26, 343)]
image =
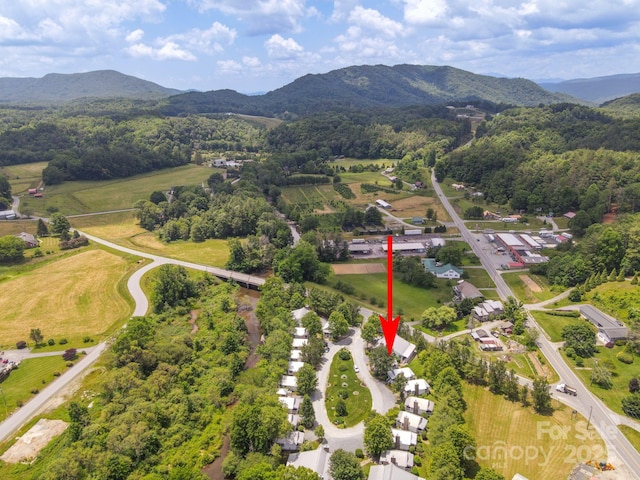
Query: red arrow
[(389, 324)]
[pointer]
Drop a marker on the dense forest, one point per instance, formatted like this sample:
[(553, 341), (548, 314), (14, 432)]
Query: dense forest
[(550, 159)]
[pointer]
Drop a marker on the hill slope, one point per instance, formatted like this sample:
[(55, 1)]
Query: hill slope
[(56, 87), (598, 89), (626, 106), (371, 86)]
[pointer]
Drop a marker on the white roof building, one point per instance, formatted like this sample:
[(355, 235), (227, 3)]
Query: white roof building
[(406, 371), (417, 387), (390, 472), (294, 367), (403, 439), (418, 405), (299, 313), (300, 332), (291, 403), (299, 343), (296, 355), (291, 442), (402, 348), (399, 458), (289, 381), (316, 460), (411, 421)]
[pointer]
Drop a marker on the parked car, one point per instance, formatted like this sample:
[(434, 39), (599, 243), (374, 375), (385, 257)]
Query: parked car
[(355, 367)]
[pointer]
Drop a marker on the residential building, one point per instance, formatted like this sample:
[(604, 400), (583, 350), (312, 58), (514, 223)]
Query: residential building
[(487, 310), (291, 403), (294, 367), (298, 343), (29, 240), (399, 458), (289, 382), (291, 442), (300, 332), (403, 439), (464, 289), (417, 387), (410, 421), (418, 406), (316, 460), (442, 271), (402, 348), (390, 472), (406, 371), (606, 324), (299, 313), (295, 356)]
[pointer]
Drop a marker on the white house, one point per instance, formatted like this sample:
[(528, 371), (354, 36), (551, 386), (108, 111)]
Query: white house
[(417, 387), (410, 421), (293, 419), (291, 442), (390, 472), (403, 439), (289, 382), (402, 348), (299, 313), (406, 371), (298, 343), (294, 367), (316, 460), (291, 403), (295, 356), (418, 405), (399, 458), (300, 332)]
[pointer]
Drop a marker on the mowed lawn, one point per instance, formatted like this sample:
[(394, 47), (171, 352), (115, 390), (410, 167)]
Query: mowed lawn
[(123, 229), (513, 439), (99, 196), (24, 176), (529, 295), (553, 324), (342, 377), (32, 374), (76, 296)]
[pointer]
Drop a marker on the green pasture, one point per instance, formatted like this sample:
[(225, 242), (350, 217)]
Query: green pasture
[(479, 277), (553, 324), (358, 399), (374, 178), (350, 162), (97, 196), (527, 295), (533, 225), (615, 298), (32, 374), (24, 176)]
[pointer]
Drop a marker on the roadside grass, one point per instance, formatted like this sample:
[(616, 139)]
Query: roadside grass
[(527, 295), (358, 405), (96, 196), (615, 298), (408, 300), (479, 277), (122, 228), (621, 374), (32, 374), (513, 439), (632, 435), (75, 296), (553, 324), (562, 222)]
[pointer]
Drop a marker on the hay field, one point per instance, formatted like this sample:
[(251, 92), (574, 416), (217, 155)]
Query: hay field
[(24, 176), (357, 268), (72, 297)]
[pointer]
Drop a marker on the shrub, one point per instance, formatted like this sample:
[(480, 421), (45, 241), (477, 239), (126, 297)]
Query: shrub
[(35, 391), (87, 339), (63, 341), (69, 364), (70, 354), (343, 367), (344, 355), (56, 374), (570, 351), (21, 344), (417, 462), (360, 453), (343, 394), (579, 362), (625, 357), (51, 342), (344, 287)]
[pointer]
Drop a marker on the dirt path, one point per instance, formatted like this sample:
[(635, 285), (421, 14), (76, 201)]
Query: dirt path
[(247, 301), (192, 321)]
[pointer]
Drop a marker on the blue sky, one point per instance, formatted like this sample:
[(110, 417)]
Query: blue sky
[(259, 45)]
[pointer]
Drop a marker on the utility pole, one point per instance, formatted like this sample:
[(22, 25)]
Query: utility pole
[(589, 420)]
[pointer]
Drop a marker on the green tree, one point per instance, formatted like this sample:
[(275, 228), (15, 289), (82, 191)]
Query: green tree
[(341, 408), (311, 321), (307, 380), (36, 336), (255, 427), (59, 224), (448, 376), (319, 432), (381, 362), (497, 377), (631, 405), (438, 318), (290, 472), (541, 396), (486, 473), (345, 465), (172, 287), (371, 329), (445, 464), (338, 325), (11, 249), (307, 413), (41, 229), (511, 388), (157, 197), (524, 395), (373, 216), (377, 435), (601, 376), (580, 337), (312, 352)]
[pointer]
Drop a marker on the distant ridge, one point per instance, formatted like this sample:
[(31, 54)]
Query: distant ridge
[(57, 87), (598, 89), (368, 86)]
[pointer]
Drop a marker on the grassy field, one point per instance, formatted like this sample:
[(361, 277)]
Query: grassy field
[(23, 177), (622, 373), (533, 225), (553, 324), (615, 298), (32, 374), (122, 228), (350, 162), (454, 327), (512, 439), (358, 400), (632, 435), (411, 300), (76, 296), (97, 196), (479, 277), (526, 294)]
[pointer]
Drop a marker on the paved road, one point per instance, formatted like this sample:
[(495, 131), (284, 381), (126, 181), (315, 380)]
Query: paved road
[(621, 453)]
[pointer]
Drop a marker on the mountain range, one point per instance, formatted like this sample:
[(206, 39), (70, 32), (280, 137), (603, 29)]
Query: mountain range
[(356, 87)]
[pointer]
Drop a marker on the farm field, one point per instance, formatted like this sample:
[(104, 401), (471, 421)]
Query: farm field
[(520, 441), (97, 196), (33, 373), (533, 225), (24, 176), (76, 296), (553, 324), (122, 228), (536, 289), (347, 163), (620, 377), (416, 206), (358, 399)]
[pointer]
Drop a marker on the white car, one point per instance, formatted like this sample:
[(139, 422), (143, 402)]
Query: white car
[(356, 369)]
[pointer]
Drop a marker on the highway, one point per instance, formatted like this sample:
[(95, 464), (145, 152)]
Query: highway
[(620, 451)]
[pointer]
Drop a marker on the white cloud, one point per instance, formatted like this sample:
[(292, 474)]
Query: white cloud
[(374, 20), (262, 16), (10, 29), (341, 9), (281, 48), (135, 36), (425, 12), (167, 51), (207, 41), (251, 61), (228, 66)]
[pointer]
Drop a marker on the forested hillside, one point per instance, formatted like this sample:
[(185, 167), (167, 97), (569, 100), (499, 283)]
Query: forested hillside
[(558, 158)]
